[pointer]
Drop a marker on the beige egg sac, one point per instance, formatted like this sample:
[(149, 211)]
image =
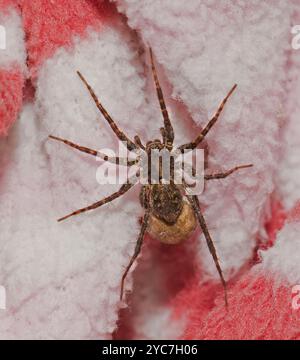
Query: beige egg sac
[(176, 233)]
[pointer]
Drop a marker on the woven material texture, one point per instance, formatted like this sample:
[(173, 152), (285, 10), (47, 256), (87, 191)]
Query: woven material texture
[(63, 280)]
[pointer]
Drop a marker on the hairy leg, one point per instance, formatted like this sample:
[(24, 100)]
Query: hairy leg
[(121, 136), (124, 188), (138, 142), (192, 145), (224, 174), (114, 160), (136, 251), (163, 134), (169, 132), (196, 206)]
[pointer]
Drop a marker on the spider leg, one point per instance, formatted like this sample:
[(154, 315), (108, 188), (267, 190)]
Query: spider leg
[(169, 132), (114, 160), (163, 134), (121, 136), (136, 251), (192, 145), (124, 188), (223, 175), (138, 142), (196, 206)]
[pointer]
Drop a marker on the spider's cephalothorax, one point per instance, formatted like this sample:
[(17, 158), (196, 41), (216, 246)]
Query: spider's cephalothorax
[(171, 214), (154, 145)]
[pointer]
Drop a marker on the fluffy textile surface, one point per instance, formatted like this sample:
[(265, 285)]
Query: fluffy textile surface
[(62, 280)]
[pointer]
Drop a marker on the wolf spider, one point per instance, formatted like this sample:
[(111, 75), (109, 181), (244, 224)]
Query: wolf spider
[(168, 211)]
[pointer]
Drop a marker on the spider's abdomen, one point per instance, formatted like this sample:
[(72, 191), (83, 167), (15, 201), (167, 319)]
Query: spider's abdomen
[(172, 219), (173, 233)]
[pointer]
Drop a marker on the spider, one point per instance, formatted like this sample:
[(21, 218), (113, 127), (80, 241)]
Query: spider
[(171, 214)]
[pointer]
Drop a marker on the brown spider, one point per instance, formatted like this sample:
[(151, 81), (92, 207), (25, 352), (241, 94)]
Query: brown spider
[(170, 214)]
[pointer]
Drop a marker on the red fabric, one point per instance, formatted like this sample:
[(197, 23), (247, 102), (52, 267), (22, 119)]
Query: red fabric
[(50, 25), (11, 93), (258, 310), (4, 4)]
